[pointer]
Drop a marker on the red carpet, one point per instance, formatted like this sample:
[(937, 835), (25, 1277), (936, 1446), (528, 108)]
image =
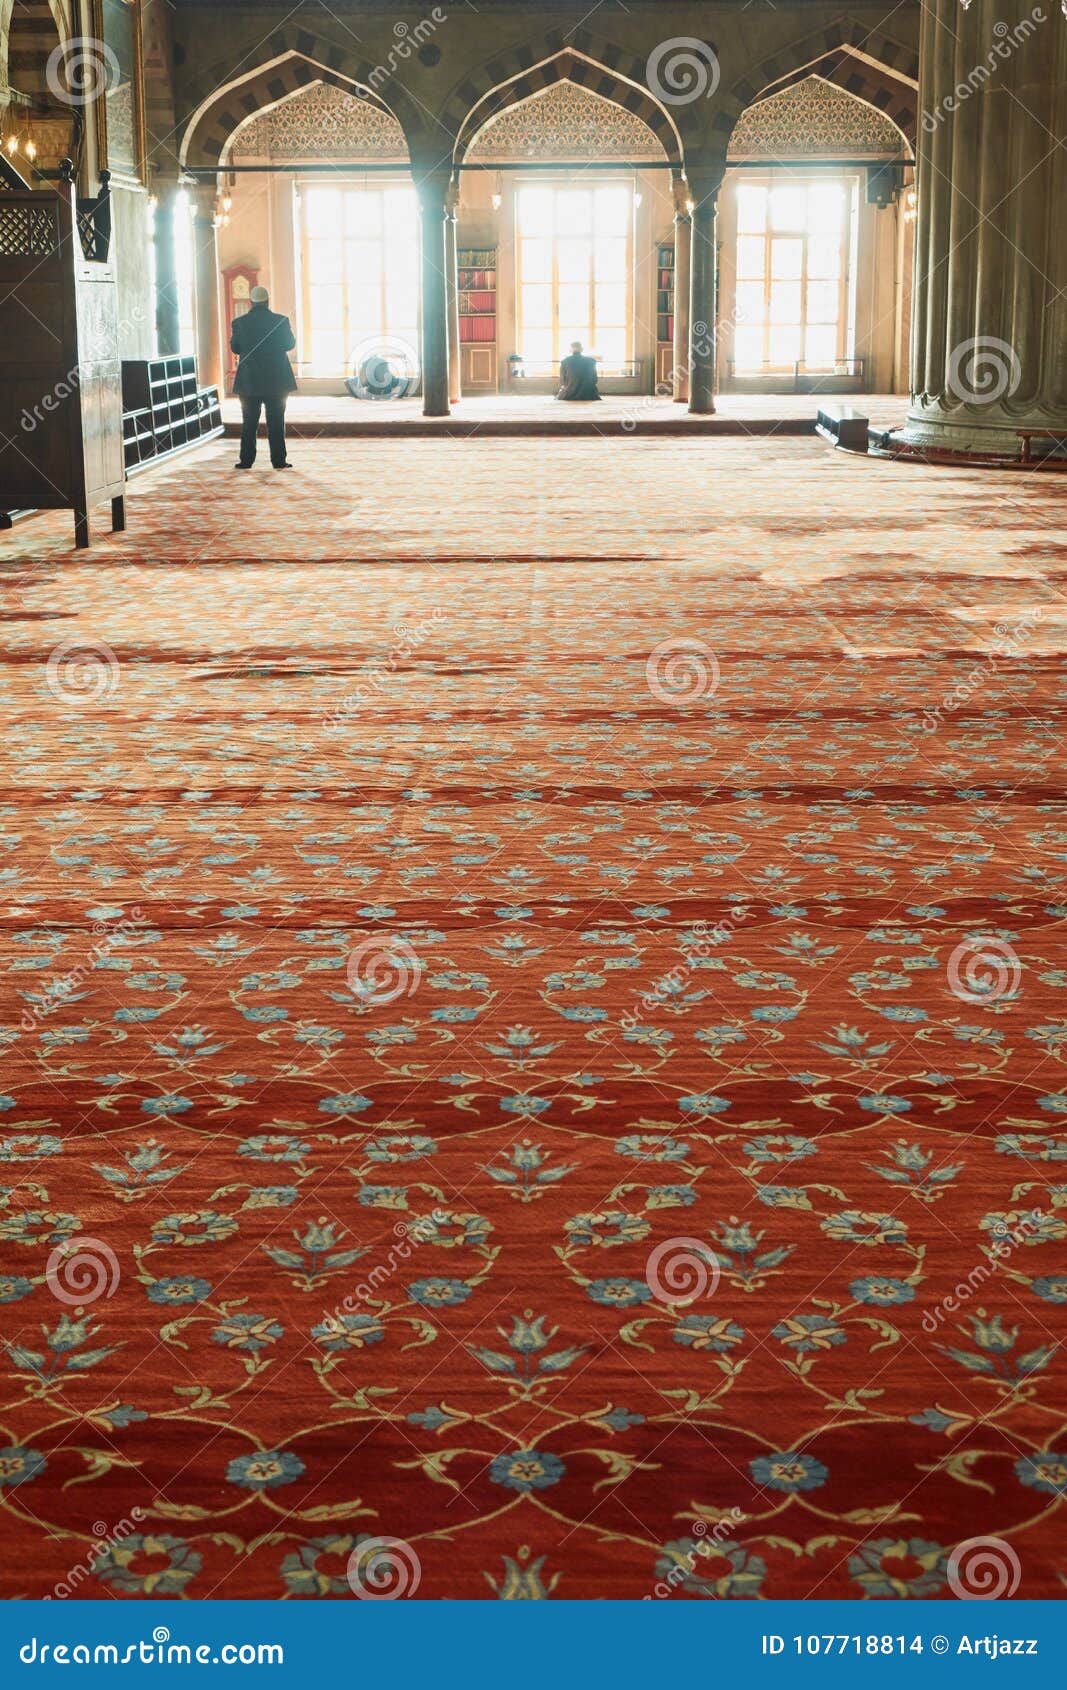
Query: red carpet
[(478, 1078)]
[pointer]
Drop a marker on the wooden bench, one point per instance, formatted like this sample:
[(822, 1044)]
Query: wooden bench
[(843, 426), (1026, 435)]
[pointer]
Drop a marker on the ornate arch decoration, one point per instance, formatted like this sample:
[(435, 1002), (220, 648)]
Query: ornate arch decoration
[(887, 61), (297, 60), (513, 76), (893, 96)]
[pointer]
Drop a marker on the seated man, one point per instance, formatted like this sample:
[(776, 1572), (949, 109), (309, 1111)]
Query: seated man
[(577, 375)]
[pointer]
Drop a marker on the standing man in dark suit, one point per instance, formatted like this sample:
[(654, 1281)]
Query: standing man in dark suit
[(262, 339)]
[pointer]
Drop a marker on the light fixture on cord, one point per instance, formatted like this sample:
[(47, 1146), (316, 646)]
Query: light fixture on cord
[(498, 198)]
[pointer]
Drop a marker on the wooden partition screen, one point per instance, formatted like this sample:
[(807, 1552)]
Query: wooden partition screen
[(60, 375)]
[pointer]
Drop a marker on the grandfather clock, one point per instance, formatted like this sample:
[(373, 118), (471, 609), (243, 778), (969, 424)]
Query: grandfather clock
[(238, 282)]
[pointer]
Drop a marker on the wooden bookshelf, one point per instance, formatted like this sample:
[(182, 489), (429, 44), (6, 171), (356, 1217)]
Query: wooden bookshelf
[(477, 319), (664, 312)]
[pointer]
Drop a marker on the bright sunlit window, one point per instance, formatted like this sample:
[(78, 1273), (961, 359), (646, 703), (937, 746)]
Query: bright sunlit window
[(794, 242), (575, 272), (359, 250), (183, 271)]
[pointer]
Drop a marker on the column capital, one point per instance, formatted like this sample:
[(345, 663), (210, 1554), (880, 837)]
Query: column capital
[(204, 194), (681, 194), (433, 182), (704, 182)]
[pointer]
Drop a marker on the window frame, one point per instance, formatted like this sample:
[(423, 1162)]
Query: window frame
[(847, 244), (612, 367), (303, 186)]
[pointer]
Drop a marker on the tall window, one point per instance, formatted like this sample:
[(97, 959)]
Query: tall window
[(794, 245), (182, 213), (359, 255), (575, 272)]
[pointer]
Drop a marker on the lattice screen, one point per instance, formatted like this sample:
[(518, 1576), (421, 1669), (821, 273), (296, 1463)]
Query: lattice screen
[(95, 241), (27, 231)]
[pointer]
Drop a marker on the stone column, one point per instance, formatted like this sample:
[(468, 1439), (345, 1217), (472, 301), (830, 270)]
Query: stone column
[(168, 329), (683, 242), (703, 191), (206, 286), (452, 285), (432, 186), (989, 306)]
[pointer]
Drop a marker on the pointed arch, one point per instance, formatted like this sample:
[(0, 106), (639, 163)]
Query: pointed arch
[(297, 59), (513, 76), (895, 98), (875, 58)]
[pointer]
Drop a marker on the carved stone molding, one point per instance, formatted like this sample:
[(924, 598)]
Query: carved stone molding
[(811, 118), (322, 122), (814, 118), (565, 121)]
